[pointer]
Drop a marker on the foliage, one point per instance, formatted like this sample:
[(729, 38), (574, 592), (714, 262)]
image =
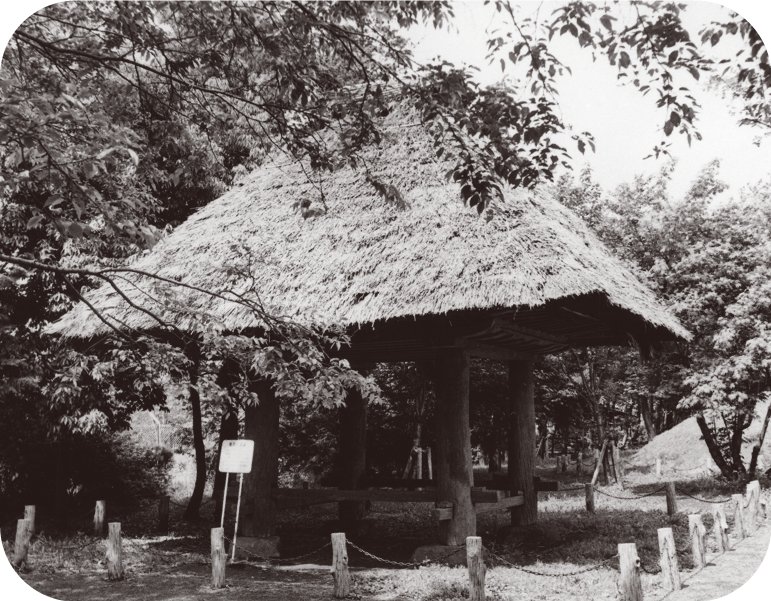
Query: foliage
[(710, 264)]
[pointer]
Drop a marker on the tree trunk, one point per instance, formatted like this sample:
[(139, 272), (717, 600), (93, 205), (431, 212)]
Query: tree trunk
[(193, 353), (228, 431), (736, 444), (647, 417), (261, 423), (714, 450), (759, 443), (522, 441)]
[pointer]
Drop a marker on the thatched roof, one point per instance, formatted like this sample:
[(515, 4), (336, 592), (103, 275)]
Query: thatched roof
[(364, 260)]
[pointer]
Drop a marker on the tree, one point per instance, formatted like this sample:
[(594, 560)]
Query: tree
[(119, 119)]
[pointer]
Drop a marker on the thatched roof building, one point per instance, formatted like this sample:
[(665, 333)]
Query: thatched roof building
[(427, 280), (534, 277)]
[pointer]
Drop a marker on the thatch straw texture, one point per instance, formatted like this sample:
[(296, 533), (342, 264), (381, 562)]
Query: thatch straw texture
[(364, 259)]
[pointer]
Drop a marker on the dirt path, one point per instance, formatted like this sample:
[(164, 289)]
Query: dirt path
[(726, 573)]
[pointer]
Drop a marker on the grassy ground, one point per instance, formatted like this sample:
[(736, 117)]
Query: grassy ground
[(566, 539)]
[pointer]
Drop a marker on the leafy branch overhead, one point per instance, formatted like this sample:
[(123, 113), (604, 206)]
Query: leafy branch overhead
[(118, 118)]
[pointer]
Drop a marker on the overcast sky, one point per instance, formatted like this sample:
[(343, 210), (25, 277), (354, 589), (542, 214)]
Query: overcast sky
[(626, 124)]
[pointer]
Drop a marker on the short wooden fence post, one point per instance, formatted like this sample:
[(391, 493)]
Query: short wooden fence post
[(114, 552), (579, 463), (658, 468), (669, 487), (670, 568), (629, 584), (589, 490), (163, 514), (340, 575), (99, 512), (753, 509), (219, 557), (476, 568), (738, 501), (698, 548), (564, 463), (21, 544), (720, 528), (29, 514)]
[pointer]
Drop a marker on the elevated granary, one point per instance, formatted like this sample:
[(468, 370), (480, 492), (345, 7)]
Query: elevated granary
[(417, 276)]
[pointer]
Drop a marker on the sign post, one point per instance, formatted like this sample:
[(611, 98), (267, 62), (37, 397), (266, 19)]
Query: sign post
[(235, 457)]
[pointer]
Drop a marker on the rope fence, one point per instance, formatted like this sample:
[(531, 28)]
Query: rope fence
[(746, 507)]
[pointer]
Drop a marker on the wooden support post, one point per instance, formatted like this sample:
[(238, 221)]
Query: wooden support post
[(599, 462), (629, 584), (21, 544), (658, 467), (219, 557), (340, 575), (408, 468), (564, 464), (353, 444), (114, 552), (29, 514), (589, 489), (430, 464), (261, 426), (720, 529), (619, 469), (579, 463), (669, 488), (753, 507), (99, 513), (419, 466), (670, 568), (476, 568), (698, 548), (522, 441), (739, 521), (163, 514), (454, 470)]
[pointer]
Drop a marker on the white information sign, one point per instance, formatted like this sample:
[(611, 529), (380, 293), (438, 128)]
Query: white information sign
[(236, 456)]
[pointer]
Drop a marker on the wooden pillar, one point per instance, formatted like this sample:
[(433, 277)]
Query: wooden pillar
[(340, 574), (522, 441), (454, 471), (629, 584), (261, 426), (114, 552), (669, 489), (219, 557), (476, 568), (353, 443), (670, 567)]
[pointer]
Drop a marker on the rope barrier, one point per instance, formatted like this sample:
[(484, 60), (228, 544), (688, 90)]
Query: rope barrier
[(653, 492), (704, 500), (404, 564), (280, 559), (551, 574)]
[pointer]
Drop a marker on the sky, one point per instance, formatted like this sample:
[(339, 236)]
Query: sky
[(626, 125)]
